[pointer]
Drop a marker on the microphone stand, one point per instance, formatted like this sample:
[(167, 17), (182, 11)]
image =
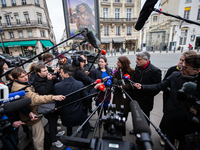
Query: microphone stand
[(42, 53), (176, 16), (158, 130), (81, 126)]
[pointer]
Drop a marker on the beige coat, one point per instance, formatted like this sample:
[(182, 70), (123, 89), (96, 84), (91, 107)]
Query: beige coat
[(35, 101)]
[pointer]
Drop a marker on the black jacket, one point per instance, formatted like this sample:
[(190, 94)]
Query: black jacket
[(42, 85), (81, 76), (71, 115), (97, 73), (149, 75)]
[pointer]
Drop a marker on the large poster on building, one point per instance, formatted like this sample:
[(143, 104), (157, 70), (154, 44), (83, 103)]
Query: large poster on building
[(84, 13)]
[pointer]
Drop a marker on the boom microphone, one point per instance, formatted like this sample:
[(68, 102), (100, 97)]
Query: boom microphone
[(93, 40), (15, 105), (145, 13), (13, 96)]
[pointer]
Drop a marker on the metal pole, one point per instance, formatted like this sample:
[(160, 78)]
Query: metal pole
[(3, 48)]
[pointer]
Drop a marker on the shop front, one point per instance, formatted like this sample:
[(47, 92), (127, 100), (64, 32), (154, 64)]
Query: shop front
[(130, 45), (118, 43), (46, 45), (105, 43)]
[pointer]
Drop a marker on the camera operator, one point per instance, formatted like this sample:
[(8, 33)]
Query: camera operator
[(43, 85), (35, 125), (72, 115), (190, 67)]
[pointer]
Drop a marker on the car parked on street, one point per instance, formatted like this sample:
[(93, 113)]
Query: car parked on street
[(11, 62)]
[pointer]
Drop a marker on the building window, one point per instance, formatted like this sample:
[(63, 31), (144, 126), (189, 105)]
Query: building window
[(106, 31), (37, 2), (117, 11), (39, 18), (198, 15), (105, 0), (20, 34), (129, 1), (117, 30), (8, 19), (11, 35), (30, 34), (117, 0), (128, 13), (27, 18), (105, 12), (128, 30), (187, 12), (183, 37), (23, 2), (17, 19), (155, 18), (3, 3), (3, 36), (42, 33), (13, 2), (188, 1)]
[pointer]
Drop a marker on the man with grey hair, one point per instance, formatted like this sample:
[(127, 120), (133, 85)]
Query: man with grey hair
[(145, 73)]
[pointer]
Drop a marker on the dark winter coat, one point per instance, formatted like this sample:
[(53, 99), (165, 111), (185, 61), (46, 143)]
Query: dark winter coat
[(81, 76), (118, 96), (97, 74), (175, 82), (73, 114), (149, 75)]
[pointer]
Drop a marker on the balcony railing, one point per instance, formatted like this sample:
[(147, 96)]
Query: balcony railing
[(118, 19), (23, 23), (13, 4), (23, 3), (3, 5), (37, 4)]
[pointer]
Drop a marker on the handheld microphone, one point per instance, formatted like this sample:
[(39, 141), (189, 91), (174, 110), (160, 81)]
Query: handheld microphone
[(13, 96), (120, 84), (109, 83), (102, 87), (15, 105), (114, 72), (97, 81), (145, 13), (103, 52), (140, 125), (128, 79)]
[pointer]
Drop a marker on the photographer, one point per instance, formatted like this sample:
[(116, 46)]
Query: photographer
[(190, 67), (35, 125), (43, 85)]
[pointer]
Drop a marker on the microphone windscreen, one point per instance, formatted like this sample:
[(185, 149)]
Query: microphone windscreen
[(191, 89), (16, 95), (115, 81), (145, 13), (93, 40), (16, 105), (119, 82), (140, 124)]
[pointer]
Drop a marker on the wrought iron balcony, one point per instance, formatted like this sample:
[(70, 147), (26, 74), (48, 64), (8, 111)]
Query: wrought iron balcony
[(112, 20), (23, 24)]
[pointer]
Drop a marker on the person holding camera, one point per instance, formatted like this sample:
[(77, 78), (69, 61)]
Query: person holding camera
[(43, 85), (170, 119), (35, 124)]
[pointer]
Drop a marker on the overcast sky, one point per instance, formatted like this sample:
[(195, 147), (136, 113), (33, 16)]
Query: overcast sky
[(57, 17)]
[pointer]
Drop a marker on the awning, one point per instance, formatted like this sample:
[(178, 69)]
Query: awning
[(118, 40), (46, 43), (19, 43), (106, 40)]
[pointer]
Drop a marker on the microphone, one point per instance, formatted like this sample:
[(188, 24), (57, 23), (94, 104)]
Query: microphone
[(102, 87), (120, 84), (93, 40), (83, 31), (15, 105), (14, 96), (140, 126), (114, 72), (97, 81), (127, 77), (145, 13)]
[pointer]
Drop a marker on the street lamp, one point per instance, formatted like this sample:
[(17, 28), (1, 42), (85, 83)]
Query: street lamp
[(3, 48)]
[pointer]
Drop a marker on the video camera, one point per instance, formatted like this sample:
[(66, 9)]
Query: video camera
[(114, 128)]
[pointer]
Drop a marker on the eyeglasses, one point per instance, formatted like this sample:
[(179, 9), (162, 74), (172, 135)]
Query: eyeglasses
[(187, 68)]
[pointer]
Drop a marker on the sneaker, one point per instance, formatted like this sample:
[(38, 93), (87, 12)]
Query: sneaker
[(60, 133), (59, 122), (58, 144), (58, 128)]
